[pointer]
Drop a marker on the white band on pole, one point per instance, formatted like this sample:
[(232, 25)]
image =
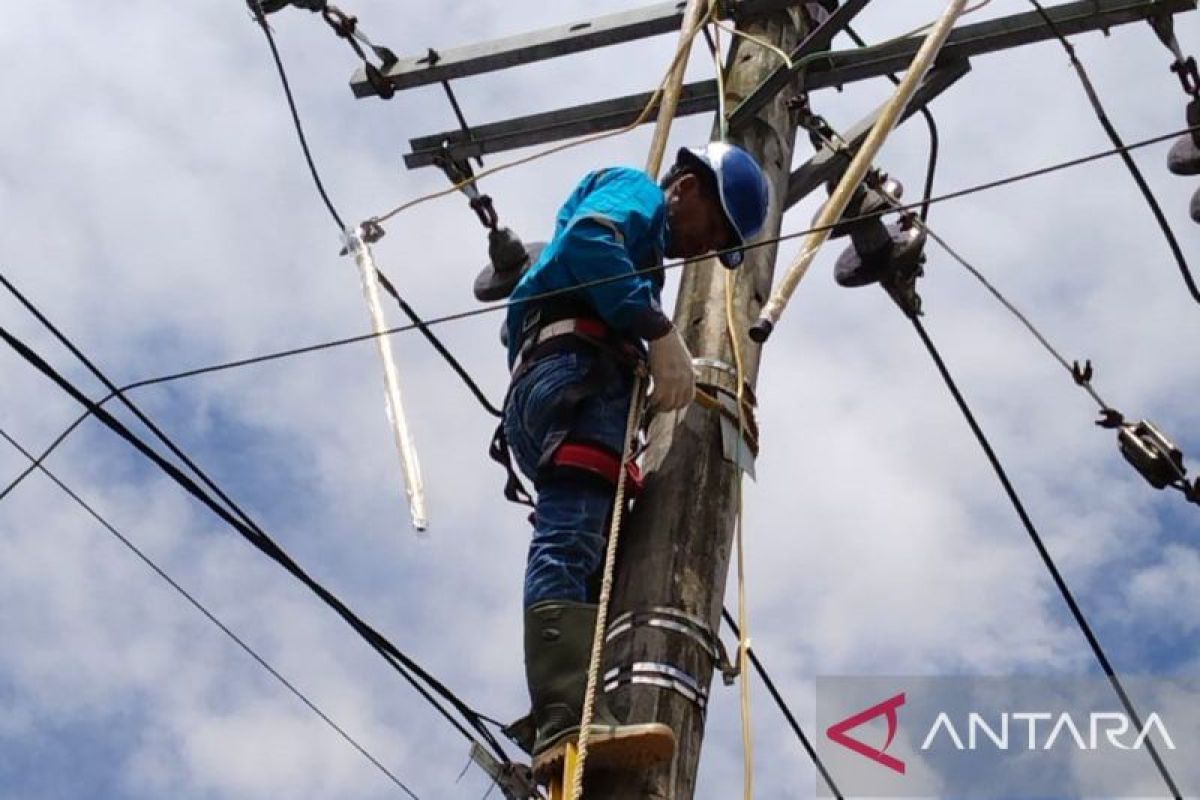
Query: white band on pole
[(413, 485)]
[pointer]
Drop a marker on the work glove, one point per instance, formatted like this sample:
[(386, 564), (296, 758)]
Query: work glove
[(672, 373)]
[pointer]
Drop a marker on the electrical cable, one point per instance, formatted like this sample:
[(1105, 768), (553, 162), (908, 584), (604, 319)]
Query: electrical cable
[(337, 218), (1059, 581), (241, 522), (474, 312), (783, 707), (1115, 137), (1086, 385), (262, 662), (495, 307), (930, 123)]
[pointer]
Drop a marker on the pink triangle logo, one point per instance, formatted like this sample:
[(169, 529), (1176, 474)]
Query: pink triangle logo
[(887, 708)]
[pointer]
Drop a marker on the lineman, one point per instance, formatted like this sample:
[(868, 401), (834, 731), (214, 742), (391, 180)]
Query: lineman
[(573, 358)]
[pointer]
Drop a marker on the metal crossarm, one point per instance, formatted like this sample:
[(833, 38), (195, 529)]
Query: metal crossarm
[(842, 67), (559, 40)]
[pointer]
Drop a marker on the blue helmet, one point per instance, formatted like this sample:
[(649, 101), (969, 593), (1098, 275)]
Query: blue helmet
[(741, 185)]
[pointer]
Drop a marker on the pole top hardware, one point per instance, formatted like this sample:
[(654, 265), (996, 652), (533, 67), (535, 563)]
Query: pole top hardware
[(1154, 456), (515, 780)]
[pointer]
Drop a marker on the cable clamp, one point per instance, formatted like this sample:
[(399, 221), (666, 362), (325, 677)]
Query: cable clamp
[(1189, 75), (515, 780), (1110, 419), (1153, 455), (1082, 374)]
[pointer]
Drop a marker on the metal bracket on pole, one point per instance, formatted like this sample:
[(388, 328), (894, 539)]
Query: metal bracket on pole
[(816, 42), (829, 162), (514, 780), (357, 246), (840, 68), (560, 40)]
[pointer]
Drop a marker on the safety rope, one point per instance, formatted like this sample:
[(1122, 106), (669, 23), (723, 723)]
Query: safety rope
[(632, 425)]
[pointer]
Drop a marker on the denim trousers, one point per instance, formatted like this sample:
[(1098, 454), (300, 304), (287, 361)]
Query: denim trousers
[(577, 395)]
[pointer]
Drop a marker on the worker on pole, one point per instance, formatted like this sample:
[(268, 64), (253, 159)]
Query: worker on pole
[(573, 356)]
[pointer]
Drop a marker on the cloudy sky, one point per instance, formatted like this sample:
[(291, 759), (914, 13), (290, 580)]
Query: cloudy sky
[(158, 209)]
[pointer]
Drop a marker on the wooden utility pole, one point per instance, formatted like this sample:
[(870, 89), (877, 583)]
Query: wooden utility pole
[(675, 552)]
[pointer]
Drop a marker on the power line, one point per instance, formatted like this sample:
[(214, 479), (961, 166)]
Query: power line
[(1115, 137), (1078, 377), (1047, 559), (291, 101), (783, 706), (494, 307), (241, 522), (388, 286), (262, 662), (458, 316)]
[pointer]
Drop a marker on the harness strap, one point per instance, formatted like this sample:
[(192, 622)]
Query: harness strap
[(599, 461), (514, 490)]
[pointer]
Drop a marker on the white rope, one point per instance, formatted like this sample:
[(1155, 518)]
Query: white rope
[(606, 584)]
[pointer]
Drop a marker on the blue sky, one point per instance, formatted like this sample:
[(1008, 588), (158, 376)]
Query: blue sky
[(157, 208)]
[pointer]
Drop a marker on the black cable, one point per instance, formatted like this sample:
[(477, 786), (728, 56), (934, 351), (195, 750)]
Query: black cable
[(383, 280), (475, 312), (262, 662), (240, 521), (783, 707), (334, 343), (934, 137), (1115, 137), (291, 101), (441, 348), (1063, 589)]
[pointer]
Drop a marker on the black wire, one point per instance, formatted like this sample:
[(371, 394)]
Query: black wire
[(475, 312), (441, 348), (238, 519), (1115, 137), (383, 280), (262, 662), (333, 343), (783, 706), (934, 138), (291, 101), (1063, 589)]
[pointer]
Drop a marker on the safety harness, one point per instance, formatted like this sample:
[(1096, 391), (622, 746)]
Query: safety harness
[(549, 328)]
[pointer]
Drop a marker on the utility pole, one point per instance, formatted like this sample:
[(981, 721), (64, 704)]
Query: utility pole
[(675, 552)]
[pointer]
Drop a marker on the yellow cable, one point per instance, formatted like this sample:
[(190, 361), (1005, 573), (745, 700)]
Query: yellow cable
[(743, 620)]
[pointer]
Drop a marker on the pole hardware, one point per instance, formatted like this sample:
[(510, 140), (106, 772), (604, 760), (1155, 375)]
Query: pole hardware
[(1151, 453), (682, 623), (515, 780), (508, 256)]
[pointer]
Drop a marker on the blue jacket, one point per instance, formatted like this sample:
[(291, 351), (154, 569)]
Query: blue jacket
[(613, 224)]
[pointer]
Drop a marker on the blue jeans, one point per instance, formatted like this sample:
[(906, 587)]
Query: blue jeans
[(581, 396)]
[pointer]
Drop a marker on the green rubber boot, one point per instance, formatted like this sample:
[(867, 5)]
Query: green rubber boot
[(558, 647)]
